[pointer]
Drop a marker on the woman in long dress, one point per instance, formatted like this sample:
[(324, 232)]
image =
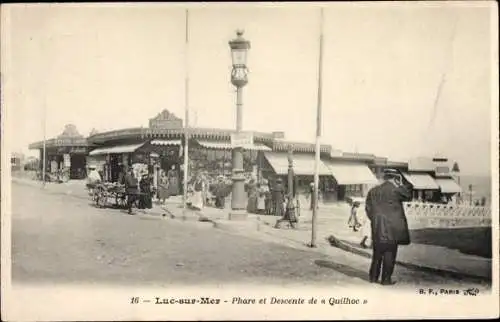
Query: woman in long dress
[(278, 195), (163, 188), (197, 201), (252, 196), (145, 201), (263, 190), (173, 182)]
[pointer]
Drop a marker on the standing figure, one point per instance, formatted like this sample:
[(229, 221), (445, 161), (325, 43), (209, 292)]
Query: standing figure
[(220, 193), (263, 191), (163, 187), (353, 221), (384, 208), (252, 196), (267, 197), (278, 196), (198, 187), (173, 182), (131, 189), (145, 201), (206, 190)]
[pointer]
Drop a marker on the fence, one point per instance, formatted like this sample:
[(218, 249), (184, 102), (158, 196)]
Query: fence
[(444, 216)]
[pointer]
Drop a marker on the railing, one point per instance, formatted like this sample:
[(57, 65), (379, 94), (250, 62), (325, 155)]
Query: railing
[(438, 215)]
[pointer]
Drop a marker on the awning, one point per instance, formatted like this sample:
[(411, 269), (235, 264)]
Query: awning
[(116, 149), (421, 181), (166, 142), (303, 164), (227, 146), (352, 173), (448, 185)]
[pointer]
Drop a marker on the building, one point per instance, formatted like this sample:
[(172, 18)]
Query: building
[(67, 151), (16, 161), (160, 146)]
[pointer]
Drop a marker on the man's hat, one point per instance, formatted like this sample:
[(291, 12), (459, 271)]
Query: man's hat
[(391, 173)]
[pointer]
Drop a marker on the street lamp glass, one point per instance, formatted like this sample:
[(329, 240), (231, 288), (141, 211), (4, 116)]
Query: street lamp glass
[(239, 57), (239, 49)]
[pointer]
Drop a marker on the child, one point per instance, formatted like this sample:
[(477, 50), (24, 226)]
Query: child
[(353, 221)]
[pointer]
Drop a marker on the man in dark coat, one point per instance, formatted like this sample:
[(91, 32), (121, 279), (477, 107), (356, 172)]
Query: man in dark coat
[(131, 189), (220, 193), (278, 195), (384, 208)]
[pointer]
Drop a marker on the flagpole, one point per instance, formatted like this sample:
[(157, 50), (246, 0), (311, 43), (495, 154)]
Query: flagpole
[(44, 160), (318, 137), (44, 120), (186, 117)]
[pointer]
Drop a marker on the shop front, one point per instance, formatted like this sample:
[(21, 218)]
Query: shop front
[(64, 155), (275, 165), (350, 179), (423, 185)]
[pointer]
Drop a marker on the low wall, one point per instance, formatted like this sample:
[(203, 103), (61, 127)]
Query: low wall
[(427, 215)]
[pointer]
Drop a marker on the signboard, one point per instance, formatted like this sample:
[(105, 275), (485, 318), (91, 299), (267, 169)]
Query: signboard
[(67, 160), (242, 139), (165, 120)]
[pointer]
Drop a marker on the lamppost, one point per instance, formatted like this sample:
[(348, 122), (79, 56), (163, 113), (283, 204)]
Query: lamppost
[(239, 49)]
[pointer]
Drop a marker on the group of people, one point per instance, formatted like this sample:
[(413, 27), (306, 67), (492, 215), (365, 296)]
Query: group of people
[(267, 198)]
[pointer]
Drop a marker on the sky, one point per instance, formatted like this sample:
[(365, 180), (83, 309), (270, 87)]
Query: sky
[(115, 66)]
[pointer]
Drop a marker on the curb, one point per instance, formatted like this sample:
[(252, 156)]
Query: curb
[(236, 226), (335, 242)]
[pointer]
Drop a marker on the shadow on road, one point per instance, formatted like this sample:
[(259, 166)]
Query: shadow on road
[(344, 269)]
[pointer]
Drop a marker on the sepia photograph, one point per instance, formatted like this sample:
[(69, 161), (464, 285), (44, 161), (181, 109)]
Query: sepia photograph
[(249, 161)]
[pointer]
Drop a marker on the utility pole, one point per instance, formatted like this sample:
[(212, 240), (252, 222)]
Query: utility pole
[(315, 193), (186, 125)]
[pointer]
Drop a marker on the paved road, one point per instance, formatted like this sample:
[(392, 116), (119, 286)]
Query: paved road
[(59, 238)]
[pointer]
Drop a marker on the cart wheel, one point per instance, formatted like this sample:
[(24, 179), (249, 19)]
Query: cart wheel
[(101, 201)]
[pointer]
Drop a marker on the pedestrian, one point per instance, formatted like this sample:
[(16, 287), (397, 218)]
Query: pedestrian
[(267, 197), (145, 198), (173, 182), (263, 191), (353, 221), (131, 189), (278, 195), (220, 193), (384, 208), (163, 187), (252, 194), (198, 187)]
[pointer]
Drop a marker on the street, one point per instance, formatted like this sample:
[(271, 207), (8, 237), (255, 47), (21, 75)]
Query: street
[(58, 238)]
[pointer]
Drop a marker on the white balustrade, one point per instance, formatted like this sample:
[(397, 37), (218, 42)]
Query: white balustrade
[(438, 215)]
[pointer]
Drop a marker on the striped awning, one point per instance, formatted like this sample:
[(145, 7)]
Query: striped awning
[(227, 146), (351, 173), (421, 181), (303, 164), (116, 149), (166, 142), (448, 185)]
